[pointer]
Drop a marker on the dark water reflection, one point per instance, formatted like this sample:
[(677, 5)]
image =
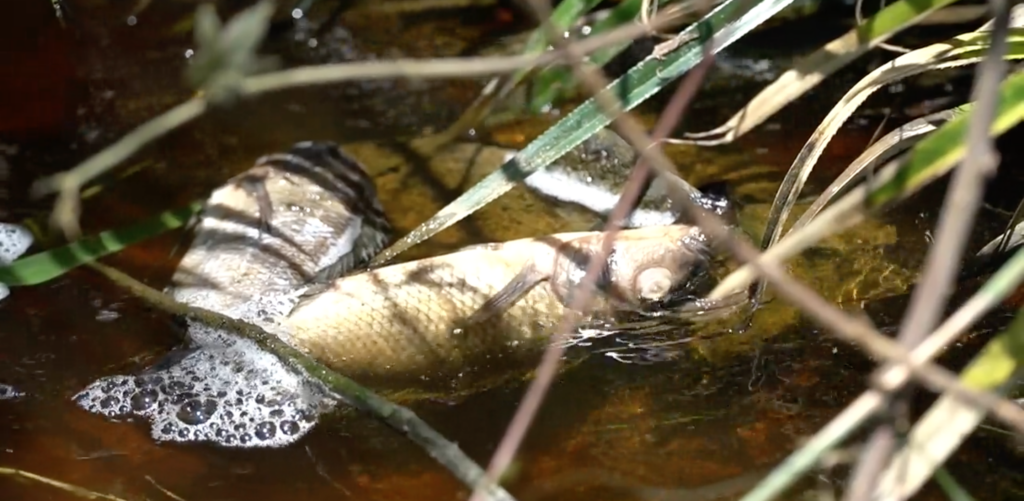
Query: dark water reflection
[(710, 415)]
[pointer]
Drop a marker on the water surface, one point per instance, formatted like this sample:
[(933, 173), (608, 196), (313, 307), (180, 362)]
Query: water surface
[(712, 412)]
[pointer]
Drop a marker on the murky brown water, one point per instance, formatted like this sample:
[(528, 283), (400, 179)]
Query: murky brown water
[(711, 414)]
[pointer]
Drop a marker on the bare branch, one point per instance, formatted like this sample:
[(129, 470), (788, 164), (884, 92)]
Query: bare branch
[(963, 198), (635, 186), (68, 184)]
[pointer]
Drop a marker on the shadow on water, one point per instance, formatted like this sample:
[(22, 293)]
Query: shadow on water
[(710, 414)]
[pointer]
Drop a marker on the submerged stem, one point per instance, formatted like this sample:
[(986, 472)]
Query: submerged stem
[(396, 416)]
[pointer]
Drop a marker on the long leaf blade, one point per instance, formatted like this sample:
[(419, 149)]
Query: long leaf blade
[(811, 70), (928, 160), (968, 48), (729, 22), (47, 265)]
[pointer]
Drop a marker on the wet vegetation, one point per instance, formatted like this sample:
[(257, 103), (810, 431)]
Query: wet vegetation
[(863, 150)]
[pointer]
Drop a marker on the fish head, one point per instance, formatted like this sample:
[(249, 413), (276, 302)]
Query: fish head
[(714, 198), (651, 267)]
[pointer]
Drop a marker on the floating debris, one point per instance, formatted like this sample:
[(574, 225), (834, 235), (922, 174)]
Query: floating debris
[(8, 392)]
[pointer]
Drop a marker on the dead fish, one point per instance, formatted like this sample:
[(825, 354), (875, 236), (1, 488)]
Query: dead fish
[(445, 325), (308, 214), (486, 308)]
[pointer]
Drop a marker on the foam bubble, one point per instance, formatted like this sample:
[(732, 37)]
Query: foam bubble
[(234, 395), (223, 388), (15, 240)]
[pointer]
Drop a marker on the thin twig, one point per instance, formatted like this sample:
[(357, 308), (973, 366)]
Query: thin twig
[(68, 184), (837, 321), (960, 207), (632, 191), (166, 492), (860, 332), (964, 195), (73, 489), (400, 418)]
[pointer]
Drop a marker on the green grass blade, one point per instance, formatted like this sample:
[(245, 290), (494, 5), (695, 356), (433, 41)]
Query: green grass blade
[(47, 265), (937, 154), (550, 83), (811, 70), (562, 17), (928, 160), (954, 491), (728, 22)]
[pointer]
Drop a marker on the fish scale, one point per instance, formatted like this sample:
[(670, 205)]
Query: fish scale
[(401, 322), (394, 325)]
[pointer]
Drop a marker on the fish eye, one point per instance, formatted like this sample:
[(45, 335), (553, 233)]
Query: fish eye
[(653, 284)]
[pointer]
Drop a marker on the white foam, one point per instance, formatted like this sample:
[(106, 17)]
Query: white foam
[(15, 240), (224, 390), (236, 396)]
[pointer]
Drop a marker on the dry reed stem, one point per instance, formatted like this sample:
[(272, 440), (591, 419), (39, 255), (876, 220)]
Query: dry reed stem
[(69, 488), (396, 416), (633, 190), (959, 209), (841, 324)]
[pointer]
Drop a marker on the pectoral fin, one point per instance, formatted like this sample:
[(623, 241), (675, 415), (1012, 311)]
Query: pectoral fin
[(508, 296), (312, 290), (256, 186)]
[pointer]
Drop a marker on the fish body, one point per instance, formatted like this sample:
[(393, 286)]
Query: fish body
[(486, 308)]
